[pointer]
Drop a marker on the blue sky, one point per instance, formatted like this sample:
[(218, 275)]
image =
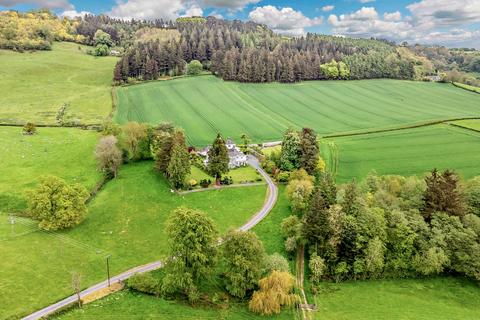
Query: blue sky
[(445, 22)]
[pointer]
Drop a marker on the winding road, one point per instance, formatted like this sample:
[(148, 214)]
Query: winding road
[(270, 201)]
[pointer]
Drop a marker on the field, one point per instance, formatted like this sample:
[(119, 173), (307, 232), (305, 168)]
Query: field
[(204, 106), (469, 124), (442, 298), (67, 153), (468, 87), (34, 86), (126, 220), (405, 152), (139, 306)]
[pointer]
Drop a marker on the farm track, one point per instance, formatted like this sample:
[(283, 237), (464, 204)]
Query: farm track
[(270, 202)]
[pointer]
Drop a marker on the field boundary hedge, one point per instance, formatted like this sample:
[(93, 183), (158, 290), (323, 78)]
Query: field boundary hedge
[(463, 127), (466, 87)]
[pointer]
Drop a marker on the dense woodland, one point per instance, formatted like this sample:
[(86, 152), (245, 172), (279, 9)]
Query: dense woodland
[(249, 52)]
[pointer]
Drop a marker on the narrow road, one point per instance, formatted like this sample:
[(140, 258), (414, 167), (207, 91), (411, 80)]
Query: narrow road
[(259, 216)]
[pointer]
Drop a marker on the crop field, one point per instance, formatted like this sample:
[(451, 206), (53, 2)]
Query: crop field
[(126, 220), (66, 153), (469, 124), (206, 105), (36, 85), (405, 152)]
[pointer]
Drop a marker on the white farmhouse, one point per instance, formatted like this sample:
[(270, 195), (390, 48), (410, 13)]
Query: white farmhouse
[(236, 157)]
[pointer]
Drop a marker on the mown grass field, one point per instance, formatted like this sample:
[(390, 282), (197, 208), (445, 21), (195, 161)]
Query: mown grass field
[(405, 152), (35, 85), (139, 306), (442, 298), (66, 153), (206, 105), (239, 175), (125, 220)]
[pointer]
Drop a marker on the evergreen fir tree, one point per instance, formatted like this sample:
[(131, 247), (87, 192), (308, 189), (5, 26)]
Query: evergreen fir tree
[(218, 159), (179, 165), (309, 150)]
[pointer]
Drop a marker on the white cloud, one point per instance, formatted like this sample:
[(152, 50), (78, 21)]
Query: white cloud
[(228, 4), (49, 4), (171, 9), (430, 13), (366, 23), (149, 9), (393, 16), (193, 11), (284, 21), (216, 14), (74, 13), (328, 8)]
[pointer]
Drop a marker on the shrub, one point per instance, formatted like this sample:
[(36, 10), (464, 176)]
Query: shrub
[(194, 68), (283, 177), (192, 183), (226, 181), (29, 129), (205, 183), (145, 283), (276, 262)]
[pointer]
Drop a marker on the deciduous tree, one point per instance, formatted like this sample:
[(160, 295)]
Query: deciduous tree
[(109, 156), (243, 254), (56, 204)]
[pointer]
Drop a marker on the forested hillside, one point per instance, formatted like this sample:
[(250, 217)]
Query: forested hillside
[(250, 52)]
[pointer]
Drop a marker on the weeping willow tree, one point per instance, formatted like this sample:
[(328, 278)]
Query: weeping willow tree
[(276, 291)]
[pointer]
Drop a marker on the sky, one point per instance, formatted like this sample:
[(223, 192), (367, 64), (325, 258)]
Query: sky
[(453, 23)]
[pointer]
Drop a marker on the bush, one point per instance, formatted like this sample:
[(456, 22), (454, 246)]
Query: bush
[(283, 177), (194, 68), (226, 181), (145, 283), (192, 183), (29, 129), (205, 183), (276, 262)]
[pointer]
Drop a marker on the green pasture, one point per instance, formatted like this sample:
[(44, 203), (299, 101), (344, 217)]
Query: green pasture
[(206, 105), (34, 85), (404, 152), (66, 153), (139, 306), (442, 298), (126, 220)]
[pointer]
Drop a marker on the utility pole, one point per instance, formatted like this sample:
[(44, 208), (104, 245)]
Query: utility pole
[(108, 270)]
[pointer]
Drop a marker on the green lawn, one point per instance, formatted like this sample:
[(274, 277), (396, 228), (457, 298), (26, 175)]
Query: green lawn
[(34, 85), (125, 220), (442, 298), (67, 153), (206, 105), (406, 152), (239, 175)]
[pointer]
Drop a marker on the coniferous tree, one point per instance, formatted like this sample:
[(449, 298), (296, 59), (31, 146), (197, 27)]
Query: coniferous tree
[(316, 227), (328, 188), (309, 150), (179, 165), (442, 195), (290, 154), (218, 159)]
